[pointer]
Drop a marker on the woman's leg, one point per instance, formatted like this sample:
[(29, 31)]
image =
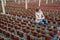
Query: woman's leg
[(45, 21), (41, 22)]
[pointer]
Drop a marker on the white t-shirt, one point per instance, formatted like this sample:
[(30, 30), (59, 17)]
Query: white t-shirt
[(39, 16)]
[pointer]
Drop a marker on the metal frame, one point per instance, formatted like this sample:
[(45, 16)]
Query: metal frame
[(3, 6)]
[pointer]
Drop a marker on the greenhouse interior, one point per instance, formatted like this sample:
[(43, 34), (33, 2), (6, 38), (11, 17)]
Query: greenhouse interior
[(22, 20)]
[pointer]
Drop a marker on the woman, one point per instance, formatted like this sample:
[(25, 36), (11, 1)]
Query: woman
[(40, 18)]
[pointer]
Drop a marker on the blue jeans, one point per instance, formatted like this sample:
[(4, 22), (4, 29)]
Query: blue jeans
[(43, 21)]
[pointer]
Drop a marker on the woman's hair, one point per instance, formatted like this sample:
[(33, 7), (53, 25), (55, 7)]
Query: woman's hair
[(37, 10)]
